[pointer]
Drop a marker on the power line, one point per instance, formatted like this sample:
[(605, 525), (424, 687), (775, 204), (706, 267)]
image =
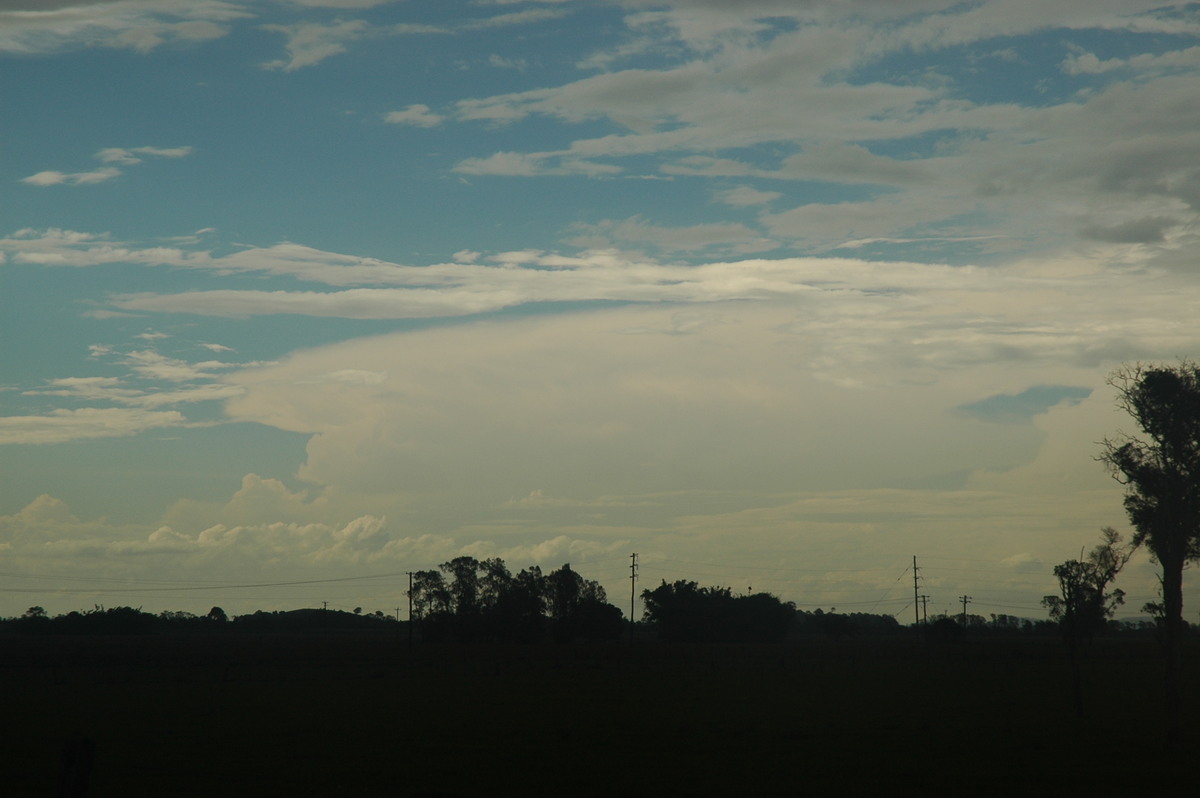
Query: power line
[(225, 586)]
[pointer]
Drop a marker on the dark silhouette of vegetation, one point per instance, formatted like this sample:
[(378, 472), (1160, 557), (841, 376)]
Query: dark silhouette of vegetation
[(471, 600), (945, 629), (1084, 606), (306, 620), (685, 612), (133, 621), (837, 625), (1161, 473)]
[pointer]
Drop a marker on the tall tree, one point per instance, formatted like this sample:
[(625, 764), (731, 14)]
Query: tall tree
[(1161, 472)]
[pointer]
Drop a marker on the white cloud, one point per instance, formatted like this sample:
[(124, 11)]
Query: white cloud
[(417, 115), (531, 15), (154, 365), (309, 43), (118, 155), (509, 164), (764, 382), (128, 157), (828, 431), (1015, 176), (53, 178)]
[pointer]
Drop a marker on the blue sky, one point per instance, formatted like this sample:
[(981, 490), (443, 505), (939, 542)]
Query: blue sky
[(775, 295)]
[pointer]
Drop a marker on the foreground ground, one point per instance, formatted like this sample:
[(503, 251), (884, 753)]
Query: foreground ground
[(361, 715)]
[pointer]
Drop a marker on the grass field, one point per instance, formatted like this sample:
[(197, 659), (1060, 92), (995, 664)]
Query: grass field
[(365, 715)]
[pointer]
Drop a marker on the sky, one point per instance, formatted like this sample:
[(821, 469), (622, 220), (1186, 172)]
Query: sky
[(298, 296)]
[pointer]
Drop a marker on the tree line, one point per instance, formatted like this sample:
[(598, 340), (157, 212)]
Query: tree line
[(470, 600)]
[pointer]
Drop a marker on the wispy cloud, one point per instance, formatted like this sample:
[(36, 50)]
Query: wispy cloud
[(60, 426), (744, 196), (37, 26), (118, 155), (918, 149), (417, 115), (128, 157), (309, 43), (55, 178)]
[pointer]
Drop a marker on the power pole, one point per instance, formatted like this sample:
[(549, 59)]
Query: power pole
[(916, 597), (632, 592), (410, 618), (924, 610), (965, 600)]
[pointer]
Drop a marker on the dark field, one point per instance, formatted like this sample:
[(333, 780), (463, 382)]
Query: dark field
[(233, 715)]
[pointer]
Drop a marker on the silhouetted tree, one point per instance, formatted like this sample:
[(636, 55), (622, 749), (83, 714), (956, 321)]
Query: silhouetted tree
[(577, 607), (1084, 605), (1161, 472), (684, 611), (429, 594), (495, 580), (217, 615), (516, 613), (463, 585), (34, 621)]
